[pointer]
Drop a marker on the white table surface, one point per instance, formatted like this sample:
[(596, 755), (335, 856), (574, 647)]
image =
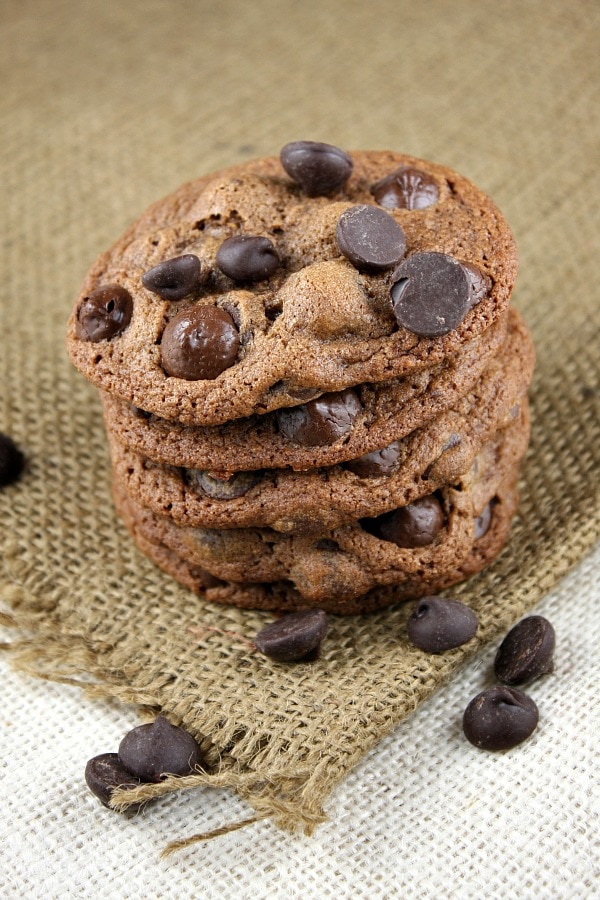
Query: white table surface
[(424, 814)]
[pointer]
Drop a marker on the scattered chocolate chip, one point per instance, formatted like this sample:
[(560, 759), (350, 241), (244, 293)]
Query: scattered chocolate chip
[(378, 463), (245, 257), (105, 773), (174, 278), (526, 652), (12, 461), (438, 624), (152, 752), (322, 421), (104, 313), (415, 525), (479, 284), (406, 189), (293, 637), (200, 342), (430, 293), (370, 238), (318, 168), (483, 521), (219, 488), (500, 718)]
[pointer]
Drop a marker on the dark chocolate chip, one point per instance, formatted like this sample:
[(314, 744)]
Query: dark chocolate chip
[(526, 652), (322, 421), (245, 257), (104, 313), (154, 751), (318, 168), (378, 463), (370, 238), (293, 637), (430, 293), (105, 773), (483, 521), (406, 189), (219, 488), (500, 718), (12, 461), (174, 278), (415, 525), (200, 342), (438, 624), (479, 284)]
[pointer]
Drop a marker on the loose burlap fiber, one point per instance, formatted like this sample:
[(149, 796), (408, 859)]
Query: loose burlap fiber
[(108, 106)]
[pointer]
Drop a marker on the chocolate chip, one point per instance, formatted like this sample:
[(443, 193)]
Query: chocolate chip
[(438, 624), (378, 463), (293, 637), (500, 718), (406, 189), (430, 294), (479, 284), (104, 313), (415, 525), (248, 258), (105, 773), (174, 278), (526, 652), (318, 168), (322, 421), (370, 238), (154, 751), (12, 461), (219, 488), (483, 521), (200, 342)]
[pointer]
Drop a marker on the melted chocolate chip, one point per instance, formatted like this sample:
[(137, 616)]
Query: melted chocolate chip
[(378, 463), (200, 342), (174, 278), (12, 461), (438, 624), (406, 189), (104, 313), (245, 257), (526, 652), (152, 752), (219, 488), (370, 238), (318, 168), (415, 525), (431, 294), (322, 421), (293, 637), (105, 773), (483, 521), (500, 718), (479, 284)]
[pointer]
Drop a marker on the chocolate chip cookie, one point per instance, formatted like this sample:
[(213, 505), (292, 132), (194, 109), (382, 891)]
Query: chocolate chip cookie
[(247, 292)]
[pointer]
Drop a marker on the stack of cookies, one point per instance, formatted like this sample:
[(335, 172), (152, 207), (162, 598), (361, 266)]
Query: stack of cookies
[(313, 383)]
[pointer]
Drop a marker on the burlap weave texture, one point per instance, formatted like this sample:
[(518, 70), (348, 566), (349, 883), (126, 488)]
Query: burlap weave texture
[(112, 107)]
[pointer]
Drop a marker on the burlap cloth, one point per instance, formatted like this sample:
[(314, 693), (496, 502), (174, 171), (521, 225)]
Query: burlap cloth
[(107, 107)]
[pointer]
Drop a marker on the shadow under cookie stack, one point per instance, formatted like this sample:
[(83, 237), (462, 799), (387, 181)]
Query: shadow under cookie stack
[(313, 383)]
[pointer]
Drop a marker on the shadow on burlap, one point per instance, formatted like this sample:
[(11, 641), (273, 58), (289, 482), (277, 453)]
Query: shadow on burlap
[(110, 109)]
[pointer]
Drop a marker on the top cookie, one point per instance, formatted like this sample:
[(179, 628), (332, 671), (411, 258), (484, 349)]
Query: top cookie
[(262, 287)]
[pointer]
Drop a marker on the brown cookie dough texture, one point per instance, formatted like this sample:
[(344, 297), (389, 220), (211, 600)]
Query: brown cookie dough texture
[(313, 383)]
